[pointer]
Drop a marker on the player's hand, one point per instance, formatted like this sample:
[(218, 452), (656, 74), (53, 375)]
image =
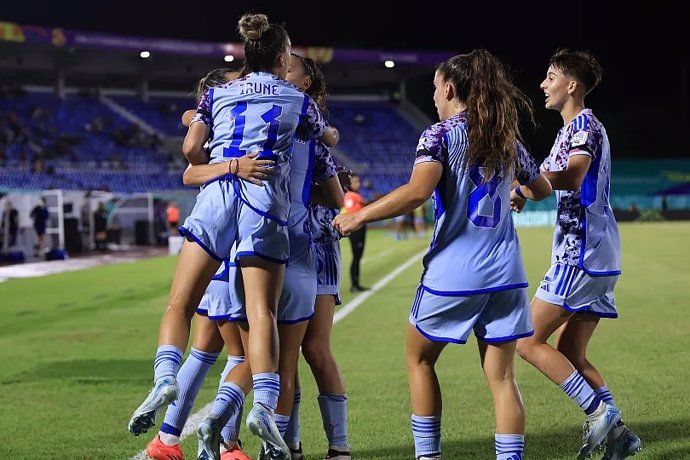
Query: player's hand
[(253, 170), (347, 223), (516, 203)]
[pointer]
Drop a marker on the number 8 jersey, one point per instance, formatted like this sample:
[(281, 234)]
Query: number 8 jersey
[(475, 248), (260, 113)]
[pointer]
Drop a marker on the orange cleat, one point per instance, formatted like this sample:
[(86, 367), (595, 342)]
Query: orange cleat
[(235, 453), (156, 450)]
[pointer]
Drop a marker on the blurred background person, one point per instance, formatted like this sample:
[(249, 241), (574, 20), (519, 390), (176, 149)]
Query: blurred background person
[(39, 214), (355, 202)]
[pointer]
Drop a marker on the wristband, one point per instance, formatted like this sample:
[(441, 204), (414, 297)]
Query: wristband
[(519, 193)]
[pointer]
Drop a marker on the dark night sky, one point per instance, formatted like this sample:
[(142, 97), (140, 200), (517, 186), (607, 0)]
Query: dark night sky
[(643, 99)]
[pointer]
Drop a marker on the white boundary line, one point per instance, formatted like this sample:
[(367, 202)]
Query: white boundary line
[(342, 313)]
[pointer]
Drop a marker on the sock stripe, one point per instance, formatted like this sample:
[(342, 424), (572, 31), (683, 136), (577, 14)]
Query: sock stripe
[(208, 358)]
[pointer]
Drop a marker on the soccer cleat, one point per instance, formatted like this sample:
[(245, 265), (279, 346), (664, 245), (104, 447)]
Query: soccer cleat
[(625, 445), (234, 453), (296, 453), (596, 427), (209, 439), (163, 393), (157, 450), (333, 454), (261, 423)]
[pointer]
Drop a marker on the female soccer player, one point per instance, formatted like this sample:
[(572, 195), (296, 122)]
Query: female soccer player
[(311, 161), (578, 288), (261, 112), (473, 276), (208, 342)]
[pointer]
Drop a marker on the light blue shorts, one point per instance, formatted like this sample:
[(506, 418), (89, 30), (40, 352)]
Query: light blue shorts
[(217, 296), (498, 316), (328, 269), (297, 298), (259, 235), (571, 288), (213, 220)]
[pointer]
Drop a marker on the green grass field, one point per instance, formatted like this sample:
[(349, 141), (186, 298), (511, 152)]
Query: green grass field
[(78, 347)]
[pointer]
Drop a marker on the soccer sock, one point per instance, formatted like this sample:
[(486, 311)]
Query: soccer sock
[(334, 414), (167, 362), (292, 434), (580, 392), (605, 395), (282, 423), (190, 378), (426, 431), (230, 399), (509, 446), (231, 430), (232, 362), (266, 389)]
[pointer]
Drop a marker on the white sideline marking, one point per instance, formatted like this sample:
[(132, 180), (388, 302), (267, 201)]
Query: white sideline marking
[(191, 425), (383, 253)]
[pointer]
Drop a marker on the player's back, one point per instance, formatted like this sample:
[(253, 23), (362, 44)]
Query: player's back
[(475, 246), (258, 113), (299, 229)]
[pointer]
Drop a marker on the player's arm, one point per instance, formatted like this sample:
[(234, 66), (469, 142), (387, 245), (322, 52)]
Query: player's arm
[(329, 193), (404, 199), (582, 146), (537, 190), (187, 117), (199, 131), (330, 137), (246, 167), (529, 183), (572, 176), (193, 144)]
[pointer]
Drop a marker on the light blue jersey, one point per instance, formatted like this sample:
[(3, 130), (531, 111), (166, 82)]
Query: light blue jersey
[(260, 113), (586, 233), (311, 161), (474, 248)]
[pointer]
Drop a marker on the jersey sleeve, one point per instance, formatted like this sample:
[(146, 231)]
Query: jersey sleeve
[(431, 146), (203, 110), (526, 170), (312, 124), (324, 167), (583, 140)]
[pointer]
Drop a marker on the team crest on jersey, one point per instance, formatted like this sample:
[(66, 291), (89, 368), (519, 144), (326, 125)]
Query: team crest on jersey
[(579, 138)]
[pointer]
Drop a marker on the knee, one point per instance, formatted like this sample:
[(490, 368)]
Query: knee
[(525, 347), (576, 358), (417, 361), (315, 353)]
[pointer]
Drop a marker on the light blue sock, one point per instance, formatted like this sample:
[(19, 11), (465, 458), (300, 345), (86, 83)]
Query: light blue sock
[(509, 446), (230, 399), (334, 414), (605, 395), (231, 430), (167, 362), (266, 389), (292, 434), (190, 378), (579, 391), (426, 431), (282, 423)]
